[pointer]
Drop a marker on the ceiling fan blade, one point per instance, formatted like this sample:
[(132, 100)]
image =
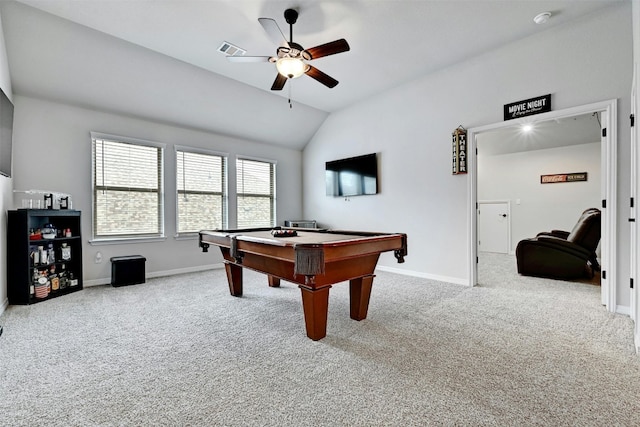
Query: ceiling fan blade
[(279, 82), (331, 48), (248, 58), (323, 78), (273, 31)]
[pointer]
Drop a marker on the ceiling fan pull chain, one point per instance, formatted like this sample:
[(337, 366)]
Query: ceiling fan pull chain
[(290, 104)]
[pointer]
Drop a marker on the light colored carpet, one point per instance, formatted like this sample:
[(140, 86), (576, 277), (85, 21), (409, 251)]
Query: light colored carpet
[(181, 351)]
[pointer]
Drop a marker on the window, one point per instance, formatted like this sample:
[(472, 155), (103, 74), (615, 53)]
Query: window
[(201, 191), (127, 188), (256, 193)]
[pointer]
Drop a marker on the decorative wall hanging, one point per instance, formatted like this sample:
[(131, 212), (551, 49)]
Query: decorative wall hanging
[(528, 107), (459, 145), (563, 177)]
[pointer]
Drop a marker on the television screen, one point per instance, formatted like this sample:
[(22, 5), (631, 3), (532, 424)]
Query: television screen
[(6, 134), (354, 176)]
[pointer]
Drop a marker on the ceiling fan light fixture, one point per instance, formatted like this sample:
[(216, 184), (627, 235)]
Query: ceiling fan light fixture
[(291, 67)]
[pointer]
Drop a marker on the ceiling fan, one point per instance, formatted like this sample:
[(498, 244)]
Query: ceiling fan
[(291, 57)]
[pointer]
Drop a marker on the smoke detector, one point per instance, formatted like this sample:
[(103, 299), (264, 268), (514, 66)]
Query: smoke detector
[(542, 18)]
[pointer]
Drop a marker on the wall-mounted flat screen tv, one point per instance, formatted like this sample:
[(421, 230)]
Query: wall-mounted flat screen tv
[(6, 134), (355, 176)]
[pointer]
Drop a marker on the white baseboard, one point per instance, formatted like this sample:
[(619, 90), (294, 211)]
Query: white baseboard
[(446, 279), (107, 280), (185, 270), (623, 309)]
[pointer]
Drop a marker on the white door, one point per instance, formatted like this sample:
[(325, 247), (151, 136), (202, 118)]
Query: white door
[(493, 227)]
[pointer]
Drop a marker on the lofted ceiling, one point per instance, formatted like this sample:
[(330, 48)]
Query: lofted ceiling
[(392, 43), (545, 134)]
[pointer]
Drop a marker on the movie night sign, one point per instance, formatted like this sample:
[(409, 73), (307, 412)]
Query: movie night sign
[(528, 107)]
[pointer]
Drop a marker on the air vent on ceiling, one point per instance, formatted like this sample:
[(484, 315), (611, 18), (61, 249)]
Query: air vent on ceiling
[(231, 50)]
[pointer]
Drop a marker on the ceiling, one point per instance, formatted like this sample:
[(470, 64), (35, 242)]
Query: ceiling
[(561, 132), (392, 43)]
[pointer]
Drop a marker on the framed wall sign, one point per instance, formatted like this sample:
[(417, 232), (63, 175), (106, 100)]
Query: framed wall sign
[(459, 145), (528, 107), (563, 177)]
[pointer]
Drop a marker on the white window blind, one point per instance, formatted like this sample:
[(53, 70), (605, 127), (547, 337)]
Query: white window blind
[(127, 189), (256, 193), (201, 187)]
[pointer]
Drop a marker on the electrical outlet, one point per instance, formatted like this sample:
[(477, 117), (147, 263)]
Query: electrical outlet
[(98, 257)]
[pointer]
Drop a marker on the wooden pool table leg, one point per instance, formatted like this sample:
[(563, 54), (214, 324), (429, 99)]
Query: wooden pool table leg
[(274, 281), (234, 277), (315, 304), (359, 294)]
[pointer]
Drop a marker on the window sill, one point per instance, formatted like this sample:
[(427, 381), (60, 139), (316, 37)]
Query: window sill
[(126, 240)]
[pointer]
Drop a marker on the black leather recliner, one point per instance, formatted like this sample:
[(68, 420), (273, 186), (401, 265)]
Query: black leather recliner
[(561, 254)]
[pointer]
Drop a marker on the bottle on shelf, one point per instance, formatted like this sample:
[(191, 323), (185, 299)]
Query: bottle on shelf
[(65, 252), (64, 279), (34, 281), (54, 279), (48, 201), (34, 253), (51, 255), (72, 280)]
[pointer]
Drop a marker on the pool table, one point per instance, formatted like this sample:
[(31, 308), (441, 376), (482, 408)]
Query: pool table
[(315, 259)]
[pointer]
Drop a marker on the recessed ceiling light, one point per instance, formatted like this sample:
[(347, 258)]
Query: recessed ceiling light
[(542, 18), (527, 128)]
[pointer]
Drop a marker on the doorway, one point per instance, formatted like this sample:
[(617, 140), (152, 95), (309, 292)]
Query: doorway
[(608, 118)]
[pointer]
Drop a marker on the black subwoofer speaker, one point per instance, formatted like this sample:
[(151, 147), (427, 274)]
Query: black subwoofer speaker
[(127, 270)]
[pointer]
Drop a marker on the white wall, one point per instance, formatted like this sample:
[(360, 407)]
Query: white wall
[(6, 184), (52, 151), (583, 62), (543, 207)]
